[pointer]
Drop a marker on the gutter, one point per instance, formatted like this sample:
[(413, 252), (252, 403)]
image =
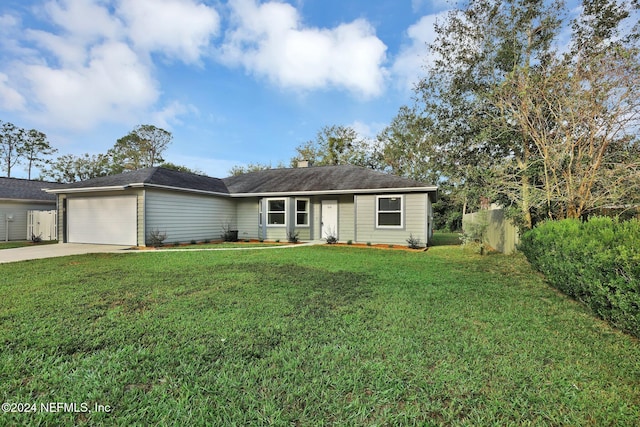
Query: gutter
[(28, 200), (84, 189), (246, 195), (328, 192), (186, 190)]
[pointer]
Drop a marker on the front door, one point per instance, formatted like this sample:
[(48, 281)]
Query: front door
[(329, 218)]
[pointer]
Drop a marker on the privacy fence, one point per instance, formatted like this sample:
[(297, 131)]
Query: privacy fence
[(499, 233)]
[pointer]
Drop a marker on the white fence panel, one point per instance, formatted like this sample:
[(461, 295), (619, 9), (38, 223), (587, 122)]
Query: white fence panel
[(42, 224), (501, 234)]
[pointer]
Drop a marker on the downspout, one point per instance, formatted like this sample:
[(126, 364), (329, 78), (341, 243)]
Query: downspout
[(263, 232), (355, 217), (144, 218)]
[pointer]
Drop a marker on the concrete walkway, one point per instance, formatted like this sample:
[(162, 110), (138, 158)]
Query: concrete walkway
[(56, 250)]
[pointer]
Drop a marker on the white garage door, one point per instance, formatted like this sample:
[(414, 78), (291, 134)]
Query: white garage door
[(102, 220)]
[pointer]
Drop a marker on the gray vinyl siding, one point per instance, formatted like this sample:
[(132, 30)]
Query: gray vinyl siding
[(315, 228), (141, 220), (415, 208), (276, 233), (247, 214), (346, 221), (185, 217), (18, 227), (62, 238)]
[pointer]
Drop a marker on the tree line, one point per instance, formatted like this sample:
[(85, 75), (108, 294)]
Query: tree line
[(519, 106), (143, 147), (512, 111)]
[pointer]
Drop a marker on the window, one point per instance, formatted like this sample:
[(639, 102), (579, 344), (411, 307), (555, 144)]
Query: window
[(260, 213), (302, 212), (276, 212), (389, 212)]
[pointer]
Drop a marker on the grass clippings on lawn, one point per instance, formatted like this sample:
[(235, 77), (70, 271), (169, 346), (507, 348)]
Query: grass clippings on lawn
[(312, 336)]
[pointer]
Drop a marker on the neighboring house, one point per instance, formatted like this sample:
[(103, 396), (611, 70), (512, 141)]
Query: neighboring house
[(348, 202), (17, 197)]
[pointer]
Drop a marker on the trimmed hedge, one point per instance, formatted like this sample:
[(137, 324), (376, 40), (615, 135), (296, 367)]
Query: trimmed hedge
[(596, 262)]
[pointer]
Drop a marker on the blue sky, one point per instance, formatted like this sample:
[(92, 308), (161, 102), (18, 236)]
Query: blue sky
[(236, 82)]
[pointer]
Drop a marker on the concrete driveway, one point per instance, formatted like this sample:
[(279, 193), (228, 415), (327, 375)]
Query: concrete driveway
[(55, 250)]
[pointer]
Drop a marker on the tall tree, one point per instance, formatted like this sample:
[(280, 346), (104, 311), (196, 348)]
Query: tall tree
[(498, 84), (580, 110), (141, 148), (11, 138), (69, 168), (181, 168), (404, 148), (35, 150), (252, 167), (336, 145)]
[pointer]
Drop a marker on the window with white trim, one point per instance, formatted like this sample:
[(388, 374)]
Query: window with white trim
[(302, 212), (277, 212), (260, 213), (389, 211)]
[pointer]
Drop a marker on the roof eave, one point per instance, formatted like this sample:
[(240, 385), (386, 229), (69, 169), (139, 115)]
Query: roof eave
[(16, 200), (85, 189), (188, 190), (330, 192)]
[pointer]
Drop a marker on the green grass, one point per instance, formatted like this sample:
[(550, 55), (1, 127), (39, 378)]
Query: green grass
[(445, 239), (23, 243), (311, 336)]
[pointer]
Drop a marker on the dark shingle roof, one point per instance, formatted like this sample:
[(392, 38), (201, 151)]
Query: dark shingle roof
[(319, 178), (329, 179), (23, 189), (155, 176)]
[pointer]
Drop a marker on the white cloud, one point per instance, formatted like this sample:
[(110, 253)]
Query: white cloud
[(111, 87), (170, 113), (95, 66), (10, 99), (414, 56), (178, 28), (84, 19), (270, 40)]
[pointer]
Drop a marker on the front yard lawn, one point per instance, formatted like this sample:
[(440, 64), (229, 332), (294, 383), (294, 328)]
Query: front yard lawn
[(307, 336)]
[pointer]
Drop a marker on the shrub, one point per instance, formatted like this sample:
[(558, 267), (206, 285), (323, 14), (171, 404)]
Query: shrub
[(331, 236), (596, 262), (414, 242), (349, 242), (157, 237), (228, 233), (193, 242), (292, 237), (473, 232)]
